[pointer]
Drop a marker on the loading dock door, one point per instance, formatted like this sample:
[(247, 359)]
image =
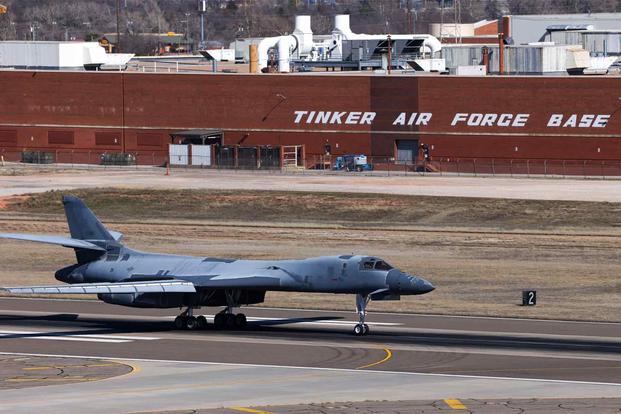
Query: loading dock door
[(201, 155), (407, 151), (178, 154)]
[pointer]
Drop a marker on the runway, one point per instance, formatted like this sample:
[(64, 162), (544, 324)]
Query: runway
[(296, 356)]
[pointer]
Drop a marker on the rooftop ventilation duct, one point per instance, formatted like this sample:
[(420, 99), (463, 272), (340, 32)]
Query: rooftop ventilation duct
[(341, 26), (304, 35), (285, 45), (342, 31)]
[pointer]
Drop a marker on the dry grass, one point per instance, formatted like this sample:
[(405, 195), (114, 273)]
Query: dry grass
[(345, 209)]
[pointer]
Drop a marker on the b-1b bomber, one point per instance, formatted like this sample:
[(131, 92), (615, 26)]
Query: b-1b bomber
[(123, 276)]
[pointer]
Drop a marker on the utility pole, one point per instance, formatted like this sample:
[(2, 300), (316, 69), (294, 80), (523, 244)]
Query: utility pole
[(118, 25)]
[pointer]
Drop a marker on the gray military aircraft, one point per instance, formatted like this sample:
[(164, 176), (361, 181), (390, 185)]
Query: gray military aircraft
[(122, 276)]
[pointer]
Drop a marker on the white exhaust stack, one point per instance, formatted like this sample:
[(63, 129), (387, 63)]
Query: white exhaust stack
[(304, 34), (341, 26)]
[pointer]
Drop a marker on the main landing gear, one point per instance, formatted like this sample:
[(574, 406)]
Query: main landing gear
[(226, 319), (222, 320), (188, 321), (362, 301)]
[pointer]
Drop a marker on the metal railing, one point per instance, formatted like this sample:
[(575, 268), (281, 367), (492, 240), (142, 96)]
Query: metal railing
[(377, 165)]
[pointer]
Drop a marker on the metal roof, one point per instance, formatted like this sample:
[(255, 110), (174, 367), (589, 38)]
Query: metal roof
[(196, 133), (565, 27), (200, 136)]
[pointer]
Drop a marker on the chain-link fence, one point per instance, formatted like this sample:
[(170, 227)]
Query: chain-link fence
[(84, 157), (470, 166), (270, 159)]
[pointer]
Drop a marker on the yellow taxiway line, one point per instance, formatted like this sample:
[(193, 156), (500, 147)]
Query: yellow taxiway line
[(67, 366), (386, 358), (249, 410), (455, 404)]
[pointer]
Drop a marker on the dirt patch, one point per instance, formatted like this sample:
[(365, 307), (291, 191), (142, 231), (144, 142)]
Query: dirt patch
[(5, 202)]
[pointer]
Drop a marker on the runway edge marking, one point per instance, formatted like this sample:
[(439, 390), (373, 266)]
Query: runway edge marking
[(349, 370)]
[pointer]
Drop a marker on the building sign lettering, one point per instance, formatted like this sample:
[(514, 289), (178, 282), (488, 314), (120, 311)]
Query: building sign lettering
[(459, 119)]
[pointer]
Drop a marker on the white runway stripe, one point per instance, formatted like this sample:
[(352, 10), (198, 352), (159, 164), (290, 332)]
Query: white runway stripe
[(61, 336), (318, 322)]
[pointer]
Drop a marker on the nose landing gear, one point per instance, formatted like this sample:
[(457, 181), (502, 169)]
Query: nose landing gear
[(362, 301)]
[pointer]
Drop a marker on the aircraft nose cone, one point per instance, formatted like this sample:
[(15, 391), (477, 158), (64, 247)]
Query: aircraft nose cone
[(421, 285), (426, 286)]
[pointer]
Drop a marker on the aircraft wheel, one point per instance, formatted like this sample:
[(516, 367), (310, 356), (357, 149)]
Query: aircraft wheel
[(240, 321), (201, 322), (218, 321), (191, 323), (180, 322), (366, 329), (359, 330), (229, 321)]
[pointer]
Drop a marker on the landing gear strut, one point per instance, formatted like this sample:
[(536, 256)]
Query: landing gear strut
[(362, 301), (226, 319)]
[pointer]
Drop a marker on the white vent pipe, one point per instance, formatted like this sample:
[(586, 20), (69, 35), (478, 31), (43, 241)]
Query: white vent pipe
[(341, 26), (284, 44), (304, 34)]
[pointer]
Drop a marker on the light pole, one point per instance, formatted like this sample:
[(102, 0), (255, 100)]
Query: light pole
[(202, 9)]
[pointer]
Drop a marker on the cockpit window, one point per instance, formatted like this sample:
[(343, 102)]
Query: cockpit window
[(382, 265), (374, 264)]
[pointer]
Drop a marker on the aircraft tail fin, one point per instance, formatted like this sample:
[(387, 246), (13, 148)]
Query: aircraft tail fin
[(83, 224)]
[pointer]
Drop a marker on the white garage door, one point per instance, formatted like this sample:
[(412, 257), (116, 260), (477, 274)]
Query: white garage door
[(178, 154), (201, 155)]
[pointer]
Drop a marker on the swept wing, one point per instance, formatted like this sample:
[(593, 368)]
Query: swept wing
[(155, 286)]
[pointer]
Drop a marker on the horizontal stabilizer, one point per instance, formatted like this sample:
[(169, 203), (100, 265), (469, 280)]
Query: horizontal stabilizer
[(116, 235), (166, 286), (59, 240)]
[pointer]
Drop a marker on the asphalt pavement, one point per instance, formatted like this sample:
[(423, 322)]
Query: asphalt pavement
[(288, 356)]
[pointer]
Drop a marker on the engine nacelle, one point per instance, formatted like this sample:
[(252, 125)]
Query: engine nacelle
[(71, 274), (178, 300), (148, 300)]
